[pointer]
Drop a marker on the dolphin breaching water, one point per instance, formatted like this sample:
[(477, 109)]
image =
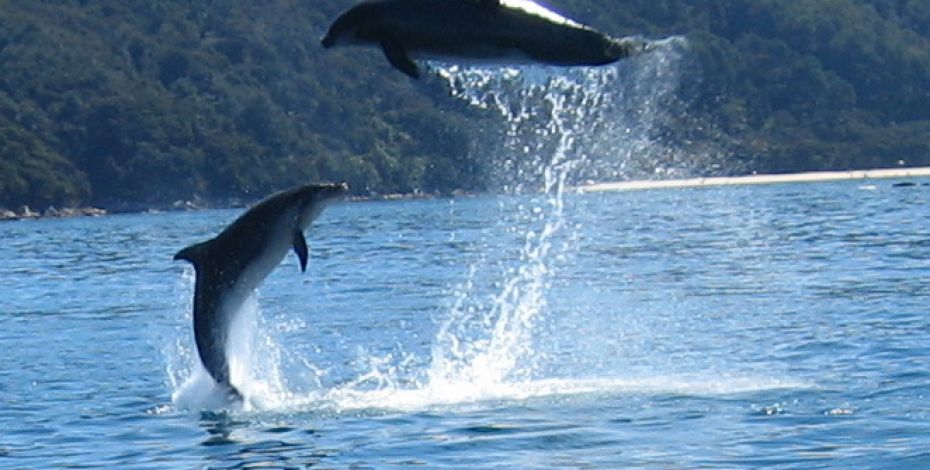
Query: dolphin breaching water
[(230, 266), (480, 31)]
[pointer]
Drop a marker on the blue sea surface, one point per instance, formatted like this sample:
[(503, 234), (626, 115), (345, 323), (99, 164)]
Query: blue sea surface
[(731, 327)]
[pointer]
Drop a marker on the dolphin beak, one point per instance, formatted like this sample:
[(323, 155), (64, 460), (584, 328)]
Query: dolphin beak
[(340, 189), (334, 191)]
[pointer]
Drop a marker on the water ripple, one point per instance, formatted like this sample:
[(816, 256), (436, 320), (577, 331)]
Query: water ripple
[(780, 326)]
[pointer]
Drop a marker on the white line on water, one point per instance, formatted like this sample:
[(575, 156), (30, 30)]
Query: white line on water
[(809, 177)]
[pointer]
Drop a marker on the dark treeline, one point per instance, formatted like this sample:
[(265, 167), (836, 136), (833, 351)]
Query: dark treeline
[(146, 102)]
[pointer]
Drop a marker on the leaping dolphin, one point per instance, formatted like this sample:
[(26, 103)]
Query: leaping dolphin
[(230, 266), (486, 31)]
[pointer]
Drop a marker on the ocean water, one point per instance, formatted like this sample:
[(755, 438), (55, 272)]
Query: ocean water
[(735, 327), (782, 325)]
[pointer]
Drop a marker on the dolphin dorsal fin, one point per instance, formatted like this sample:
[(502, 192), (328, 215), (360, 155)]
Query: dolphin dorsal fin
[(300, 247)]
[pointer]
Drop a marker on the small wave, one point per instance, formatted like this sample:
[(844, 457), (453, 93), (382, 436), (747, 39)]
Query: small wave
[(454, 394)]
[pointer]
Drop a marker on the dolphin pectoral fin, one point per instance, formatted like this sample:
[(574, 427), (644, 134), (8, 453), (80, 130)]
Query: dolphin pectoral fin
[(398, 57), (300, 247)]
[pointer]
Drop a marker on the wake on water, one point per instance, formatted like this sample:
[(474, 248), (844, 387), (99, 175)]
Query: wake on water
[(561, 127)]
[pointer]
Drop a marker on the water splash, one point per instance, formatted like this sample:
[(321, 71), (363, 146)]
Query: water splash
[(254, 359), (560, 127), (586, 124)]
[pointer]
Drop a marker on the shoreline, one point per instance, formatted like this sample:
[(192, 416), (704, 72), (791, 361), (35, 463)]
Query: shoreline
[(26, 213), (806, 177)]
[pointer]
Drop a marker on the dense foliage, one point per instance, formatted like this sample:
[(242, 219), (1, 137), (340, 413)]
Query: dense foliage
[(809, 84), (149, 101)]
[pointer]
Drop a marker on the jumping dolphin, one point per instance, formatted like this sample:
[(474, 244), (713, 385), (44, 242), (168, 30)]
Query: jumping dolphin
[(230, 266), (484, 31)]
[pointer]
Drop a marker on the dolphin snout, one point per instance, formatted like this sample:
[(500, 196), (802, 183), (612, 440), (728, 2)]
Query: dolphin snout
[(338, 189)]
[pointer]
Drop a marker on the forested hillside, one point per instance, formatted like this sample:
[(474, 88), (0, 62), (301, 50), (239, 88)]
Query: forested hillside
[(135, 103), (805, 84)]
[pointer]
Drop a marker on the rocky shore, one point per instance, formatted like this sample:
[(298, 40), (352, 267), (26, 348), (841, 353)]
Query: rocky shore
[(25, 212)]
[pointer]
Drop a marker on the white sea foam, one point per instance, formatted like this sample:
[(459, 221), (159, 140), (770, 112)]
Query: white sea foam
[(254, 358), (470, 395)]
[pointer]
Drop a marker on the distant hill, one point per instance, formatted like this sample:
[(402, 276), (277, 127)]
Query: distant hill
[(807, 84), (146, 102)]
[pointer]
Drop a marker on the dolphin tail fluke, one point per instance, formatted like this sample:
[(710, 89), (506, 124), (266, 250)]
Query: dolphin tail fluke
[(192, 253)]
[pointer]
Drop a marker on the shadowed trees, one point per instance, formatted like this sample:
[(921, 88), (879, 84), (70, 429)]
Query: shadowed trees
[(147, 102)]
